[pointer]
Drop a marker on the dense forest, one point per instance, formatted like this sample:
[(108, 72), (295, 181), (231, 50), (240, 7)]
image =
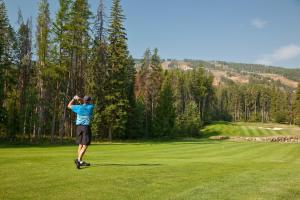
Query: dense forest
[(77, 52)]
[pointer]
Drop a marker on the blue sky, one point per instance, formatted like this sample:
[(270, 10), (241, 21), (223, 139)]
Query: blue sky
[(250, 31)]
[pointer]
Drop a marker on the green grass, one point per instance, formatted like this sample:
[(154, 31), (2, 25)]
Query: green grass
[(250, 129), (190, 170)]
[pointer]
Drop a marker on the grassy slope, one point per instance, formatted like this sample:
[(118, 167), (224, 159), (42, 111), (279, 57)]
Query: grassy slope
[(199, 169), (250, 129)]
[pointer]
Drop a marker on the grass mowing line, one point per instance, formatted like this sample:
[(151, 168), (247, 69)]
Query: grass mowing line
[(241, 154), (252, 131), (244, 131), (252, 152), (293, 155), (228, 150), (272, 132), (259, 132), (176, 150), (226, 129), (198, 150), (283, 153), (245, 178)]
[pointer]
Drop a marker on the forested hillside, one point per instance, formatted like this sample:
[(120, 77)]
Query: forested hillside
[(225, 72), (78, 53)]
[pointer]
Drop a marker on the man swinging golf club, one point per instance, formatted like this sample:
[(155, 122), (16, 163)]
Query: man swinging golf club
[(84, 113)]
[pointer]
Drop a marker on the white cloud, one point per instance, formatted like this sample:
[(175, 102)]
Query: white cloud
[(282, 54), (258, 23)]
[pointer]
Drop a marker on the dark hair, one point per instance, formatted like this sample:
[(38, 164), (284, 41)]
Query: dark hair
[(87, 99)]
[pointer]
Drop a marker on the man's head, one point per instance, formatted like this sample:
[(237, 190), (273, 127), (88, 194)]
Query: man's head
[(87, 99)]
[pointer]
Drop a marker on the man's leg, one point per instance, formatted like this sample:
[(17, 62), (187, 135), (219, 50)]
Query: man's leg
[(82, 152), (77, 161), (79, 150)]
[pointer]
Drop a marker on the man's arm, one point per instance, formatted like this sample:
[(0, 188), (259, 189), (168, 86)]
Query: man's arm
[(73, 100), (80, 100), (71, 103)]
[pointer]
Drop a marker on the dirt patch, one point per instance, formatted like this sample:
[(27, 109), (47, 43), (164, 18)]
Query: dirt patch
[(282, 79), (237, 78), (274, 129), (282, 139), (219, 137)]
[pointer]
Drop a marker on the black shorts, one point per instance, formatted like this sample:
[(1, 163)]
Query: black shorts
[(83, 135)]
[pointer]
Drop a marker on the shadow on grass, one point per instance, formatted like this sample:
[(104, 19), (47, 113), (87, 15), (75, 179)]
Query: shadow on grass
[(220, 122), (34, 145), (207, 134), (120, 165)]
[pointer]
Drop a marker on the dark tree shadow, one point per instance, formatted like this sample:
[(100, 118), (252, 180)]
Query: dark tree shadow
[(121, 165)]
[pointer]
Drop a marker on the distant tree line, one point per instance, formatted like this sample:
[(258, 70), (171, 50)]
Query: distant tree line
[(257, 103), (78, 52)]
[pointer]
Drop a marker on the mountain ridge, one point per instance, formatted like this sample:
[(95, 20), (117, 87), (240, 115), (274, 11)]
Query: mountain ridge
[(240, 73)]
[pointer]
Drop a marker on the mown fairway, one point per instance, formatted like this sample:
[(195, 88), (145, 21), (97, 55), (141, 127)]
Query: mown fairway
[(250, 129), (197, 169)]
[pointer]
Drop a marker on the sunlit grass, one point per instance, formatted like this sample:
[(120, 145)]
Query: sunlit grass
[(198, 169), (250, 129)]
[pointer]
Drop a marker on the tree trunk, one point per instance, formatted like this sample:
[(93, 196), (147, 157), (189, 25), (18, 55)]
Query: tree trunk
[(62, 122), (110, 133), (53, 127)]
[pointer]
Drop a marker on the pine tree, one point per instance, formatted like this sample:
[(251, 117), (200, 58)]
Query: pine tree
[(297, 106), (3, 32), (145, 67), (116, 98), (43, 34), (140, 88), (4, 26), (78, 38), (97, 72), (79, 49), (132, 125), (189, 122), (278, 106), (24, 63), (152, 87), (164, 118), (61, 58), (198, 89)]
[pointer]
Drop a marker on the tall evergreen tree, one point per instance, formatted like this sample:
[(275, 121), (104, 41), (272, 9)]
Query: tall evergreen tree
[(164, 118), (80, 41), (189, 122), (61, 58), (140, 89), (132, 124), (153, 83), (116, 99), (78, 36), (43, 34), (198, 89), (297, 105), (7, 50), (97, 71), (24, 63)]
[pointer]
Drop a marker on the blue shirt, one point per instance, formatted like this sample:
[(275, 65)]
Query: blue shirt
[(84, 113)]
